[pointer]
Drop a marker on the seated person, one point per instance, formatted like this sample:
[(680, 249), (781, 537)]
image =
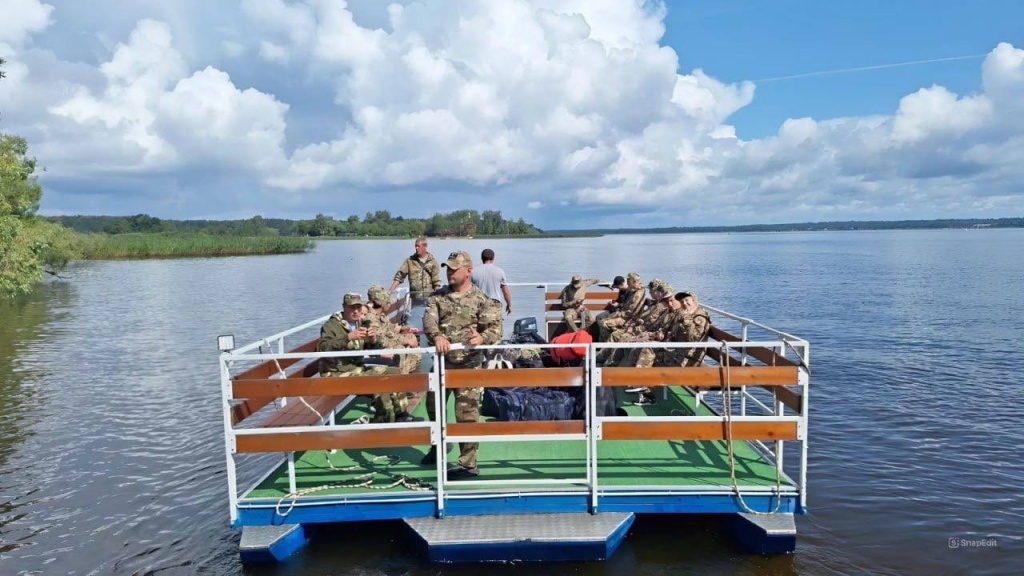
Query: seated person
[(690, 323), (572, 298), (645, 327), (632, 305), (349, 331), (390, 334)]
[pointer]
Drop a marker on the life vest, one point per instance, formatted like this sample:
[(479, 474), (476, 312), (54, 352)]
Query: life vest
[(564, 355)]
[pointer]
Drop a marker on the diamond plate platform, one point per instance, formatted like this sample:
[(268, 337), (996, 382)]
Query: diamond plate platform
[(522, 537)]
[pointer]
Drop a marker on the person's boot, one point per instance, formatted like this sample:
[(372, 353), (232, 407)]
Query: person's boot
[(406, 417), (430, 458)]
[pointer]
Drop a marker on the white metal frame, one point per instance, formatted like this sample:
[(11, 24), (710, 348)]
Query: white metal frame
[(592, 425)]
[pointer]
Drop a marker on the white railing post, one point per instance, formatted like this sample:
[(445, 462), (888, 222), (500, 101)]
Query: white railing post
[(441, 425), (229, 437)]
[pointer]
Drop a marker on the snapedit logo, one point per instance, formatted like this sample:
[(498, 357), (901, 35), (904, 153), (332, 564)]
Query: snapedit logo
[(957, 542)]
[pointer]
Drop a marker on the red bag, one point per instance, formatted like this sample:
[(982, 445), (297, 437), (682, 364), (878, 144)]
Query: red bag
[(564, 355)]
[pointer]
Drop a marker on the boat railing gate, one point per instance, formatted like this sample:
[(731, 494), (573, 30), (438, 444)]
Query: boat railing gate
[(758, 372)]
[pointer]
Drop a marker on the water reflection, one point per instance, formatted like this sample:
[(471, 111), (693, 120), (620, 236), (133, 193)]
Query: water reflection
[(28, 322)]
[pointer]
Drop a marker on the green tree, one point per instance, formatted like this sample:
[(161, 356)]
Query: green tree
[(29, 246)]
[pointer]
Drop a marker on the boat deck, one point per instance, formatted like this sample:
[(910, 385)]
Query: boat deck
[(638, 464)]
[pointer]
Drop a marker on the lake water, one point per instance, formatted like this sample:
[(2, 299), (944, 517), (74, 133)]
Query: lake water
[(111, 450)]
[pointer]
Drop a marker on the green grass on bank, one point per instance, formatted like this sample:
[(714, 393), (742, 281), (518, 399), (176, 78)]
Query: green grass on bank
[(132, 246)]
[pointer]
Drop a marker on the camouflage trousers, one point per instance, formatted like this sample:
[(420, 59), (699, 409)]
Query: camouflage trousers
[(577, 318), (608, 325), (467, 409), (385, 406), (630, 357)]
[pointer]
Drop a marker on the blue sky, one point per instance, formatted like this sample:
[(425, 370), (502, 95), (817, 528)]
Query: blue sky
[(570, 114), (748, 40)]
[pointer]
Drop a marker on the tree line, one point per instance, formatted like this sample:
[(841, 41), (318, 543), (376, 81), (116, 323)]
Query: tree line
[(373, 224)]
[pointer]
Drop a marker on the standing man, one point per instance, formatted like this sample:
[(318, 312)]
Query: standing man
[(423, 272), (491, 280), (461, 314)]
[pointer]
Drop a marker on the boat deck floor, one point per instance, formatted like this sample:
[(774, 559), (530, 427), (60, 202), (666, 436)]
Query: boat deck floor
[(651, 464)]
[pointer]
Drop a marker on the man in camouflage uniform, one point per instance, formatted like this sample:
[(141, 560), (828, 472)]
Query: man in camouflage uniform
[(572, 298), (690, 323), (349, 331), (423, 272), (461, 314), (630, 308), (390, 334), (650, 325)]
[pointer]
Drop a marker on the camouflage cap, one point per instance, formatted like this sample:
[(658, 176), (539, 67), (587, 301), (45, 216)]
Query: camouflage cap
[(458, 260), (353, 299), (577, 280), (680, 295), (666, 289), (633, 276), (378, 295)]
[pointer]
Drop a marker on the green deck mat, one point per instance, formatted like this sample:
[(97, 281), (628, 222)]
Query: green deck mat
[(654, 463)]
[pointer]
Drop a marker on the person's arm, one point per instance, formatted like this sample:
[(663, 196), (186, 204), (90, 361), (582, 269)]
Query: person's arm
[(432, 327), (508, 298), (332, 337), (400, 276), (489, 322), (435, 273)]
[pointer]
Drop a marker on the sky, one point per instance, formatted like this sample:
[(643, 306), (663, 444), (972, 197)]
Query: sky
[(572, 114)]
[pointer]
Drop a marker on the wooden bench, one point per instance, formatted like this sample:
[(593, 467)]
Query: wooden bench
[(595, 301)]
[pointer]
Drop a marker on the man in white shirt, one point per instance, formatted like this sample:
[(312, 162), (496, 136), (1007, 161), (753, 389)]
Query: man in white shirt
[(490, 280)]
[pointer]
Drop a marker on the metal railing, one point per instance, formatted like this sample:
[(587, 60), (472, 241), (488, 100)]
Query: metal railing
[(324, 433)]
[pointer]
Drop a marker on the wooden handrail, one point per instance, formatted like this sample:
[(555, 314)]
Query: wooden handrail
[(332, 385), (552, 377), (590, 295), (517, 428), (269, 367), (766, 355), (318, 439), (700, 376), (697, 431), (557, 306)]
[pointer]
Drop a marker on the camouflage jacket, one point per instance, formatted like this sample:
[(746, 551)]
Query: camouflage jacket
[(387, 331), (572, 296), (687, 328), (653, 318), (424, 277), (632, 304), (334, 338), (452, 314)]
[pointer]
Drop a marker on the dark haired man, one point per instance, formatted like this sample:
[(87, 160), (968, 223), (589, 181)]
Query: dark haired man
[(490, 279)]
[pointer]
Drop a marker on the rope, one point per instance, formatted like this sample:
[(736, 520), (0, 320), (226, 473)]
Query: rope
[(727, 408)]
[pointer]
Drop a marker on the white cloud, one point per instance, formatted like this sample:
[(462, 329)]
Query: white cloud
[(273, 53), (577, 104), (21, 19)]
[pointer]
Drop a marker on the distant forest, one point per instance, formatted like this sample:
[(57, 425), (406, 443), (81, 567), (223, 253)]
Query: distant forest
[(819, 226), (379, 223)]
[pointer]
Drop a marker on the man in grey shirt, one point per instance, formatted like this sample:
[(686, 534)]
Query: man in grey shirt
[(491, 280)]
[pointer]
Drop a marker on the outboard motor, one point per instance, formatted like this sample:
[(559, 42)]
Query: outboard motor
[(524, 331)]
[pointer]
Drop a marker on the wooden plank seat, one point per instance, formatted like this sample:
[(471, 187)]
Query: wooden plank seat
[(295, 413), (594, 300)]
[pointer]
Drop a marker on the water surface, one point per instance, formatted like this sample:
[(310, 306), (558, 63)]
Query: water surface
[(111, 453)]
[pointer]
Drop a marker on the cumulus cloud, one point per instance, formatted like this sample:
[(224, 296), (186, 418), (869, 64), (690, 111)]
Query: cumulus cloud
[(21, 19), (576, 105)]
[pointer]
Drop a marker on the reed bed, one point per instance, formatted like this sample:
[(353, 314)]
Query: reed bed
[(137, 246)]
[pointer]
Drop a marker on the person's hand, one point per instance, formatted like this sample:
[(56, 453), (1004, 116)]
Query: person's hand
[(475, 339), (358, 334), (442, 344), (371, 333), (508, 309), (411, 341)]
